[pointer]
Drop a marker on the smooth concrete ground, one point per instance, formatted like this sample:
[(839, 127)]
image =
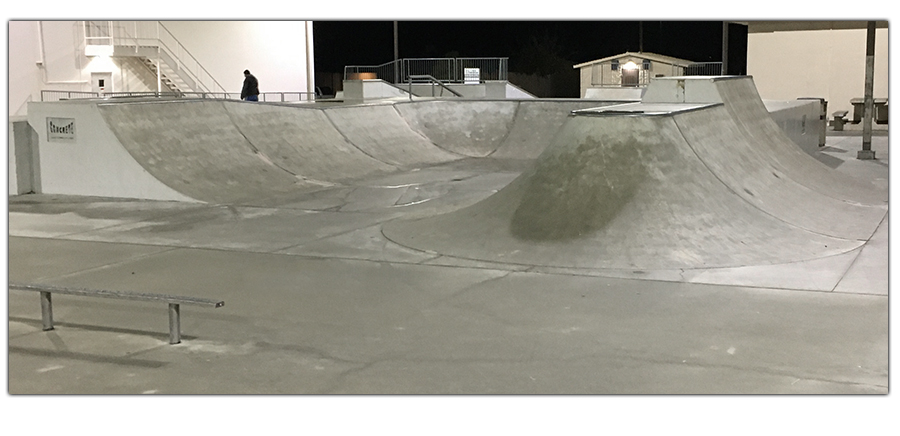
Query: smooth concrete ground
[(317, 301)]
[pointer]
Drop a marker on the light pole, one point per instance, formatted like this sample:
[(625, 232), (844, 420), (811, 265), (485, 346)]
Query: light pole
[(396, 55), (724, 48)]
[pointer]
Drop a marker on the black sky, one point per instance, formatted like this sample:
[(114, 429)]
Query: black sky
[(340, 43), (527, 44)]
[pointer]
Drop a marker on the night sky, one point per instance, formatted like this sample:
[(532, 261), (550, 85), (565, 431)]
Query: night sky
[(527, 44)]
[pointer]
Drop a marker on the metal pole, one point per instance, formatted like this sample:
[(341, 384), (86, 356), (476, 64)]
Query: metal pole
[(396, 55), (158, 68), (869, 108), (310, 69), (47, 310), (396, 43), (641, 37), (174, 323), (724, 48)]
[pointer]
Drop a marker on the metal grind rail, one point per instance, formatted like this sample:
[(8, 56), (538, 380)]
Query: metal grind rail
[(173, 301)]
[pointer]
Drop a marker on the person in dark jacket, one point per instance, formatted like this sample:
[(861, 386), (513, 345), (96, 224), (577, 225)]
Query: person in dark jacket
[(250, 91)]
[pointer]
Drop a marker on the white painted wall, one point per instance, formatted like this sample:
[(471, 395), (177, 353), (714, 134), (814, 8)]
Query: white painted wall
[(11, 145), (49, 55), (28, 74), (829, 64), (94, 163), (274, 51)]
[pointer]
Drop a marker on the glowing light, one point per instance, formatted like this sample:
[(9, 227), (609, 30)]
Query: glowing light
[(630, 66), (102, 64)]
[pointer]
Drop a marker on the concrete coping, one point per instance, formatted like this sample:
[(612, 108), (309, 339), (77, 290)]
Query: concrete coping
[(642, 109)]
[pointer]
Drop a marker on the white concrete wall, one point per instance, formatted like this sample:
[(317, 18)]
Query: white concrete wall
[(11, 144), (274, 51), (49, 55), (48, 63), (94, 163), (829, 64)]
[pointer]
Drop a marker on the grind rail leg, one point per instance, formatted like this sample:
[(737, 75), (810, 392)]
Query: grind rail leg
[(174, 323), (47, 310)]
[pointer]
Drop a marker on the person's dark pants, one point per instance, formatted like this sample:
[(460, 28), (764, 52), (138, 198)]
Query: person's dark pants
[(252, 98)]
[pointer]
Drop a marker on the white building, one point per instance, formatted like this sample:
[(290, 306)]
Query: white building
[(122, 56), (628, 70), (824, 59)]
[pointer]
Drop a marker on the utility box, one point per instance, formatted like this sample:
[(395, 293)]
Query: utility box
[(823, 118)]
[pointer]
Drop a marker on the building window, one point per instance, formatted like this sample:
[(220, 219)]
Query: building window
[(614, 65), (646, 64)]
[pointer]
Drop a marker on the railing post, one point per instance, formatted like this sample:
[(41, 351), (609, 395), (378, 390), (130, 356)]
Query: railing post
[(174, 323), (47, 310)]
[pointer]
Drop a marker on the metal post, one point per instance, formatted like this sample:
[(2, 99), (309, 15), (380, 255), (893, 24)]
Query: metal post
[(310, 59), (724, 48), (158, 69), (174, 323), (396, 43), (869, 108), (47, 310), (640, 36)]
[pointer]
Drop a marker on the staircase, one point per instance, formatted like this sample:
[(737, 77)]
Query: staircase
[(164, 76), (158, 50)]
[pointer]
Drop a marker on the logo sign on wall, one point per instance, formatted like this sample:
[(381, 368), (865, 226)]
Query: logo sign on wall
[(472, 76), (61, 129)]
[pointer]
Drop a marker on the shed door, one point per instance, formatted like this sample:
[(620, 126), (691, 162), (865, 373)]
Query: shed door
[(630, 77)]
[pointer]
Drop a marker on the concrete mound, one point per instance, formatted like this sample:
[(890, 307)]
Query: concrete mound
[(688, 179), (622, 192)]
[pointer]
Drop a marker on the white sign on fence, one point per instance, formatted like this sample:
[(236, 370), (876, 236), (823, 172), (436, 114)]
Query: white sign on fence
[(472, 76)]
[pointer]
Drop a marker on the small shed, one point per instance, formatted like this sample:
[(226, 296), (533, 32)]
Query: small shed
[(629, 70)]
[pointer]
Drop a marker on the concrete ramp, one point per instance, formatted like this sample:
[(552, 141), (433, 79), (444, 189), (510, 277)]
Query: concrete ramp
[(626, 190), (197, 150), (744, 104), (381, 133), (237, 152), (469, 128), (303, 142), (536, 124), (748, 169)]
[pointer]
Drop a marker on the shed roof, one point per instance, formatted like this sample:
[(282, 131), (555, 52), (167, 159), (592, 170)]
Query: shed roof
[(642, 55)]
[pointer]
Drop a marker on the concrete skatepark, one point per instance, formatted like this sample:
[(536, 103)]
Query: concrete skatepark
[(680, 245)]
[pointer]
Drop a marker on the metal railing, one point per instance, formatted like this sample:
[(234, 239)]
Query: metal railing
[(286, 97), (280, 97), (389, 72), (144, 36), (447, 70), (98, 33), (703, 69), (428, 79), (603, 76)]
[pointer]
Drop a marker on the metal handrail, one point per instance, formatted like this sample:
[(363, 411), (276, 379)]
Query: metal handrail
[(432, 80), (182, 48), (184, 60)]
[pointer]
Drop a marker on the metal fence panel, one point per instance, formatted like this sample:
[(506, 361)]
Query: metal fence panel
[(444, 69)]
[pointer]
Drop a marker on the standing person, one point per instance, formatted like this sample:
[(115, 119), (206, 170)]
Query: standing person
[(250, 91)]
